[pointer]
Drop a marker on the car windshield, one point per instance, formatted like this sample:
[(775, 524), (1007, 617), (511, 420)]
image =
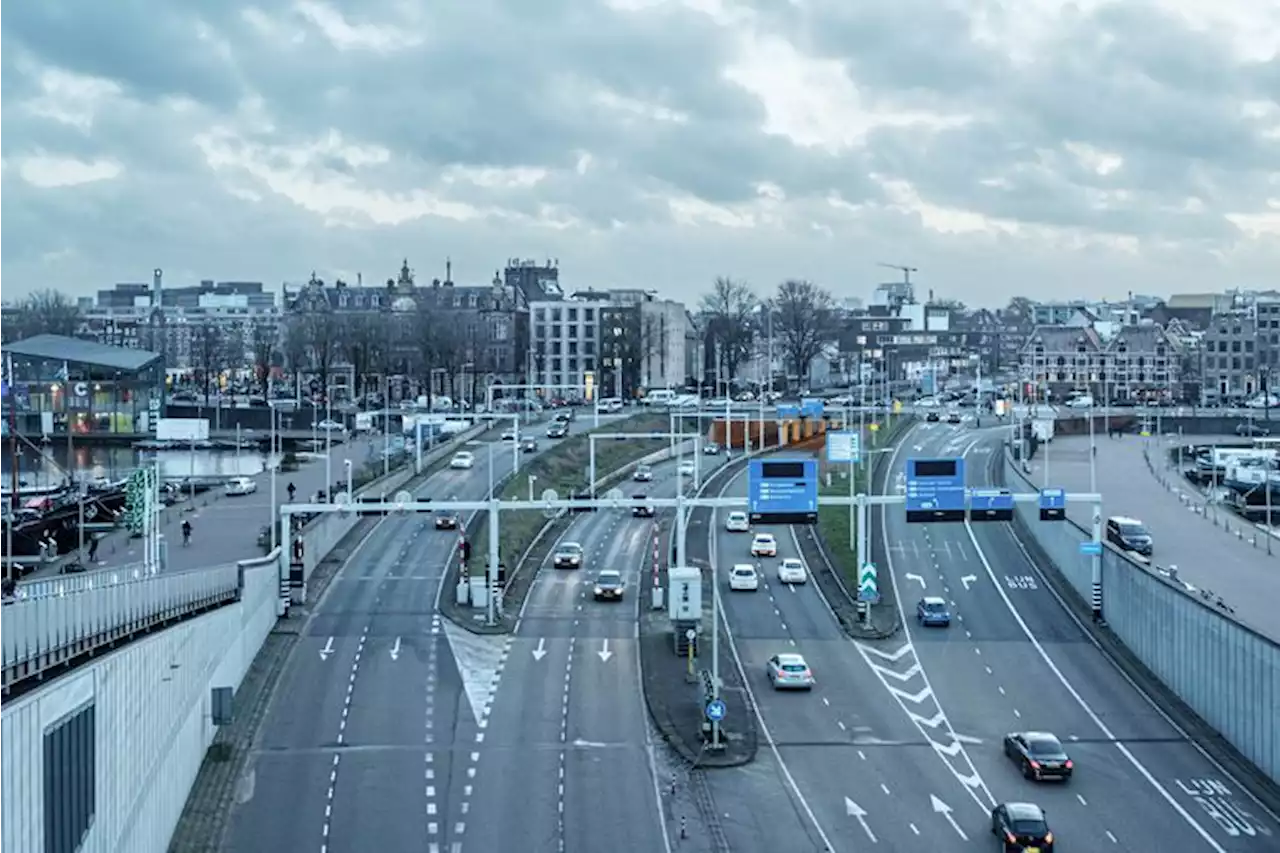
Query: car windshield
[(571, 548), (743, 571), (610, 580), (933, 606), (1029, 827), (1132, 530), (790, 564), (1047, 747), (794, 667)]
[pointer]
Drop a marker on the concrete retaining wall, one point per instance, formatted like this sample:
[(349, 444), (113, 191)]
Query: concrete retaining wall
[(1226, 673), (151, 706)]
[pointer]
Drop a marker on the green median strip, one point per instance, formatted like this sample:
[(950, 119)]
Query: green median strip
[(563, 467)]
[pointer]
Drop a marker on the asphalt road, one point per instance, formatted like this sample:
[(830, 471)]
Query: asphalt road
[(374, 736), (1015, 660), (568, 736)]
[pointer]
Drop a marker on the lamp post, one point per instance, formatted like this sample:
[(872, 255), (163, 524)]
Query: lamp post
[(347, 464)]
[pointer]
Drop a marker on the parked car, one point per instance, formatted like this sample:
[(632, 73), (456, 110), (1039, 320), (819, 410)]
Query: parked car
[(241, 486)]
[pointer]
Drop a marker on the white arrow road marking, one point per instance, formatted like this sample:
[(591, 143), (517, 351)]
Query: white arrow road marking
[(604, 652), (945, 810), (395, 649), (891, 656), (968, 579), (854, 810), (912, 577), (932, 722), (327, 650), (541, 650)]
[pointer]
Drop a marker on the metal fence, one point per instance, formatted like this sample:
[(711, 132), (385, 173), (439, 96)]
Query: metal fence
[(43, 633), (97, 579), (1225, 672)]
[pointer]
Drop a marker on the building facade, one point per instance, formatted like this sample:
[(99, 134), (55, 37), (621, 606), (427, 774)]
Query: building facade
[(566, 340), (1138, 364)]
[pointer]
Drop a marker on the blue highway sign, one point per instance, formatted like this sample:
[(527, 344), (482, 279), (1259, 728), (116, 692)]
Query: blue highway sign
[(716, 710), (783, 490), (812, 407), (982, 500), (1089, 548), (1053, 504), (788, 410), (935, 490)]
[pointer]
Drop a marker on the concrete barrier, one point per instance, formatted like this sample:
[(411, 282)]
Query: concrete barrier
[(1226, 674)]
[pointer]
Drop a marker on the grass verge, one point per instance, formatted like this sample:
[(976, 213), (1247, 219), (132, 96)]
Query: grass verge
[(564, 469)]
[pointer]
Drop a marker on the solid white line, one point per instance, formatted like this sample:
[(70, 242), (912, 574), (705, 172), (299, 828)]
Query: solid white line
[(1084, 706)]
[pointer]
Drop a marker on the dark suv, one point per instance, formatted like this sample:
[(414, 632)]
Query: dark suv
[(1020, 827), (1129, 534)]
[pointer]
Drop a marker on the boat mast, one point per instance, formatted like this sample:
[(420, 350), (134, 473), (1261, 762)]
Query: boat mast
[(13, 470)]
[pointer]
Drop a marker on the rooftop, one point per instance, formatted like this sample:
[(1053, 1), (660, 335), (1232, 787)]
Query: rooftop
[(62, 348)]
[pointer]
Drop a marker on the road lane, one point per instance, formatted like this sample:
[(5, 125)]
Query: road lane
[(852, 758), (991, 678), (396, 740)]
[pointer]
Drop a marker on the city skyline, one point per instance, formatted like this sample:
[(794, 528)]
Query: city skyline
[(1108, 149)]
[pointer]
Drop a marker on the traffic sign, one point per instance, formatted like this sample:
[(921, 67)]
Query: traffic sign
[(716, 710), (1089, 548), (935, 490), (868, 585), (844, 446), (783, 490), (1053, 504), (788, 410), (990, 505), (812, 407)]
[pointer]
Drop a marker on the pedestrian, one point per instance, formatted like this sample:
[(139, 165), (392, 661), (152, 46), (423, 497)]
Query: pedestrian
[(291, 488), (93, 548)]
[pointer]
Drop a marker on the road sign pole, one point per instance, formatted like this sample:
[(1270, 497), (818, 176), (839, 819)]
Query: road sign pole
[(1096, 590), (491, 579), (680, 531), (715, 653)]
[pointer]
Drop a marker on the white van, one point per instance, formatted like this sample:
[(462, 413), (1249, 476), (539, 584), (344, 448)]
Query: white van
[(659, 397)]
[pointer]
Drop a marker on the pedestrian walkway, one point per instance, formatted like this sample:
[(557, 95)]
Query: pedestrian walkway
[(1208, 555), (225, 528)]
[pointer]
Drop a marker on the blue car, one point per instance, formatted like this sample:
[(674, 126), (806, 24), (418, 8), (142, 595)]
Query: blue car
[(932, 610)]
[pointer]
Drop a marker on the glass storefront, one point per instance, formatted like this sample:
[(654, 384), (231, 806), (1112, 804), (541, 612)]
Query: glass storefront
[(50, 394)]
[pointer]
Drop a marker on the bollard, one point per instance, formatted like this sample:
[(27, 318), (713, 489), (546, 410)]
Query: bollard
[(673, 784), (684, 831)]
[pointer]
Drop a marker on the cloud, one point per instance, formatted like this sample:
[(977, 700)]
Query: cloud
[(1091, 147)]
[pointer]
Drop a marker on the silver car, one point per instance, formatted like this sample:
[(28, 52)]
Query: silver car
[(789, 672)]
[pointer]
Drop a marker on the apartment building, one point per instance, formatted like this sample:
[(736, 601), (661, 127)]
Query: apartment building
[(1138, 363), (565, 336)]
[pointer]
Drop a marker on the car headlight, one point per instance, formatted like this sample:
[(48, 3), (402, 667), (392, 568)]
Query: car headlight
[(599, 591)]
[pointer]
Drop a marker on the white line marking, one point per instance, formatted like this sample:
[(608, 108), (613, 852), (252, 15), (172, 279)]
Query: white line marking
[(1084, 706)]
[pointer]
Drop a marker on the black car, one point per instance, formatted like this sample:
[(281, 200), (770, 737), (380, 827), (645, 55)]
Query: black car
[(529, 445), (564, 416), (1129, 534), (953, 418), (1252, 429), (1039, 755), (1021, 827), (447, 521), (932, 418), (557, 430), (583, 494), (609, 586), (645, 511)]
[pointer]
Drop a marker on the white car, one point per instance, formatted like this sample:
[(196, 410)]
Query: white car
[(737, 522), (509, 435), (241, 486), (791, 570), (462, 460), (687, 468), (764, 545), (330, 425), (744, 578), (789, 671)]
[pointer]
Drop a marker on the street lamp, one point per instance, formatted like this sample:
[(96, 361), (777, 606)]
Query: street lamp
[(347, 464), (533, 478)]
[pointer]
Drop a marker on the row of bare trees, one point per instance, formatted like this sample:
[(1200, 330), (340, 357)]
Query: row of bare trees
[(801, 317)]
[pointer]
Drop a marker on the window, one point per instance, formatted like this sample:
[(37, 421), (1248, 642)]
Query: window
[(69, 773), (573, 315)]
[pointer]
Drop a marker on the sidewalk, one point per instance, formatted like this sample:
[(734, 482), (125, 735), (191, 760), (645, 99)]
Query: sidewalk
[(225, 528), (1207, 555)]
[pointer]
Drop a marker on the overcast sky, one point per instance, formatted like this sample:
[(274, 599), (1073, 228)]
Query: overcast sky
[(1028, 147)]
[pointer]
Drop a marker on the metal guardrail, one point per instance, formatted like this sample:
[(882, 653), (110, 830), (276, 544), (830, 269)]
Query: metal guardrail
[(83, 582), (43, 633)]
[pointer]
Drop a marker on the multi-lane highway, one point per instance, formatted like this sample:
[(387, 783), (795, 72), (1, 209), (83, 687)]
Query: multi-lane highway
[(567, 761), (370, 741), (899, 745)]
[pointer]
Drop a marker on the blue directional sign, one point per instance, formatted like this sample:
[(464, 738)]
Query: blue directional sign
[(812, 407), (935, 490), (788, 410), (1089, 548), (990, 505), (716, 710), (868, 584), (782, 490), (844, 446), (1053, 504)]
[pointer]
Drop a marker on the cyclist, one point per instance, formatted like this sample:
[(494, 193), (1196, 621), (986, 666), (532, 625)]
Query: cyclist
[(186, 532)]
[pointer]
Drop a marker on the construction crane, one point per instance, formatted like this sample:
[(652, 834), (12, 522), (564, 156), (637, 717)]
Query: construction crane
[(906, 271)]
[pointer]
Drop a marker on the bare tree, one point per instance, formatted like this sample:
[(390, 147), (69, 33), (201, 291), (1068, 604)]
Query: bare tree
[(48, 313), (425, 336), (208, 355), (263, 343), (322, 333), (805, 319), (365, 344), (729, 308)]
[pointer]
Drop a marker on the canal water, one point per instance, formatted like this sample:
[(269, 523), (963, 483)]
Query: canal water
[(36, 469)]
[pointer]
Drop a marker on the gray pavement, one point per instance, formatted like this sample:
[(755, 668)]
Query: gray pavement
[(568, 708), (1207, 555), (1013, 660)]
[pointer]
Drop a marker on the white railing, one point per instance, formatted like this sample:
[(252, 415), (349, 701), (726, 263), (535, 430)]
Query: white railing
[(40, 634), (96, 579)]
